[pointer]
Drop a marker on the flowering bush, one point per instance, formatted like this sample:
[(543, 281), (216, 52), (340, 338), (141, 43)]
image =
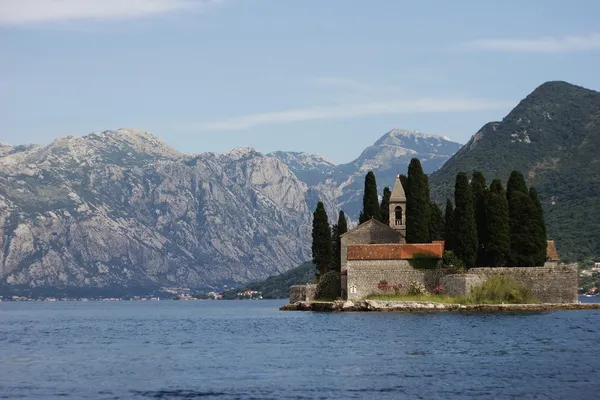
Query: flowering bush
[(439, 289), (417, 289), (384, 286)]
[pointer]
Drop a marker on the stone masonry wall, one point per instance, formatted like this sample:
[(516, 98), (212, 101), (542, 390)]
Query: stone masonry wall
[(460, 284), (549, 284), (365, 275), (369, 233), (302, 293)]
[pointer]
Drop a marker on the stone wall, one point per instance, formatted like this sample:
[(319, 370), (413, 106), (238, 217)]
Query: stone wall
[(364, 276), (460, 284), (371, 232), (302, 293), (551, 283)]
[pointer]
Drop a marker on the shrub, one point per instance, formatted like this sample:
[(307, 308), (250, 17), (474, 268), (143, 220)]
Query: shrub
[(417, 289), (423, 261), (329, 286), (501, 289), (384, 286), (439, 289), (397, 289), (452, 262)]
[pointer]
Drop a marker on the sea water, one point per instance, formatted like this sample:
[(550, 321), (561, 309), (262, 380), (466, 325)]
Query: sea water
[(249, 349)]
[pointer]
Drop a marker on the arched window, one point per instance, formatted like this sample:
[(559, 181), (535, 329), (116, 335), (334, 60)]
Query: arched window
[(398, 215)]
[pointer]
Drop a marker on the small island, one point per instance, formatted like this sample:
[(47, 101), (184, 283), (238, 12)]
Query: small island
[(489, 252)]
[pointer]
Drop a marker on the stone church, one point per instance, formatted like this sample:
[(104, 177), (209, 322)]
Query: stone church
[(374, 252), (376, 258)]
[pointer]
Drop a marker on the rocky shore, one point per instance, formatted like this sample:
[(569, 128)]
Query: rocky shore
[(423, 306)]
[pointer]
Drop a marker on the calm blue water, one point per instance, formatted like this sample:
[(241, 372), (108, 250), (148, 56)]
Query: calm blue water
[(249, 349)]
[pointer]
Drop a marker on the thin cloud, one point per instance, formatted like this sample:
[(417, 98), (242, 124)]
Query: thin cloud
[(351, 84), (19, 12), (356, 110), (541, 45)]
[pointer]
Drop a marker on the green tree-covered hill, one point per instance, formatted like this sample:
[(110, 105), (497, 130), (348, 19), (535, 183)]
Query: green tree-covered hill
[(553, 137), (278, 286)]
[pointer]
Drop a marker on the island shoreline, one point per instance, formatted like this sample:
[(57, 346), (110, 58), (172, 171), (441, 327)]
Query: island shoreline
[(426, 306)]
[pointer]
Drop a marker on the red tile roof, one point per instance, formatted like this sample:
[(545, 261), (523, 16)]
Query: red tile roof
[(394, 251)]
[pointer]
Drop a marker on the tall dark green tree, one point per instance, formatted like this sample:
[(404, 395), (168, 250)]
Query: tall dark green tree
[(370, 201), (540, 229), (385, 205), (521, 222), (449, 226), (480, 193), (436, 223), (516, 183), (496, 211), (417, 204), (337, 231), (465, 229), (322, 246)]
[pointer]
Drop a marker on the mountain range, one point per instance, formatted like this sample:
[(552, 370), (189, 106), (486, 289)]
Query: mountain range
[(122, 209)]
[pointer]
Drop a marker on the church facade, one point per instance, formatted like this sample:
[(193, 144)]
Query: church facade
[(374, 253)]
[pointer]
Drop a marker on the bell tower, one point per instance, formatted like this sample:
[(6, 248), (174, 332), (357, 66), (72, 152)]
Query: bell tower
[(398, 208)]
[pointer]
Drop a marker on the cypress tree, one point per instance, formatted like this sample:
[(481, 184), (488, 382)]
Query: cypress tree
[(338, 230), (496, 211), (522, 224), (370, 200), (436, 223), (480, 193), (322, 248), (417, 204), (449, 226), (465, 240), (516, 183), (539, 229), (385, 205)]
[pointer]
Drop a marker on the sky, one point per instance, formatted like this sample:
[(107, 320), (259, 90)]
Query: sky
[(327, 77)]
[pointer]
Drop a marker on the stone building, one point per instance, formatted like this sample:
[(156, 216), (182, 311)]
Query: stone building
[(374, 253)]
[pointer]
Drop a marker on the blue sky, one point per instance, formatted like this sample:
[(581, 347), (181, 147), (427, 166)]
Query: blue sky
[(326, 77)]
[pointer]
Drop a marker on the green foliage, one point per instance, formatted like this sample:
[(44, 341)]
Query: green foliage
[(496, 210), (501, 289), (436, 223), (417, 289), (423, 261), (521, 223), (452, 262), (385, 205), (322, 247), (553, 137), (480, 195), (516, 183), (417, 204), (337, 231), (465, 231), (449, 225), (329, 286), (278, 286), (539, 229), (370, 200)]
